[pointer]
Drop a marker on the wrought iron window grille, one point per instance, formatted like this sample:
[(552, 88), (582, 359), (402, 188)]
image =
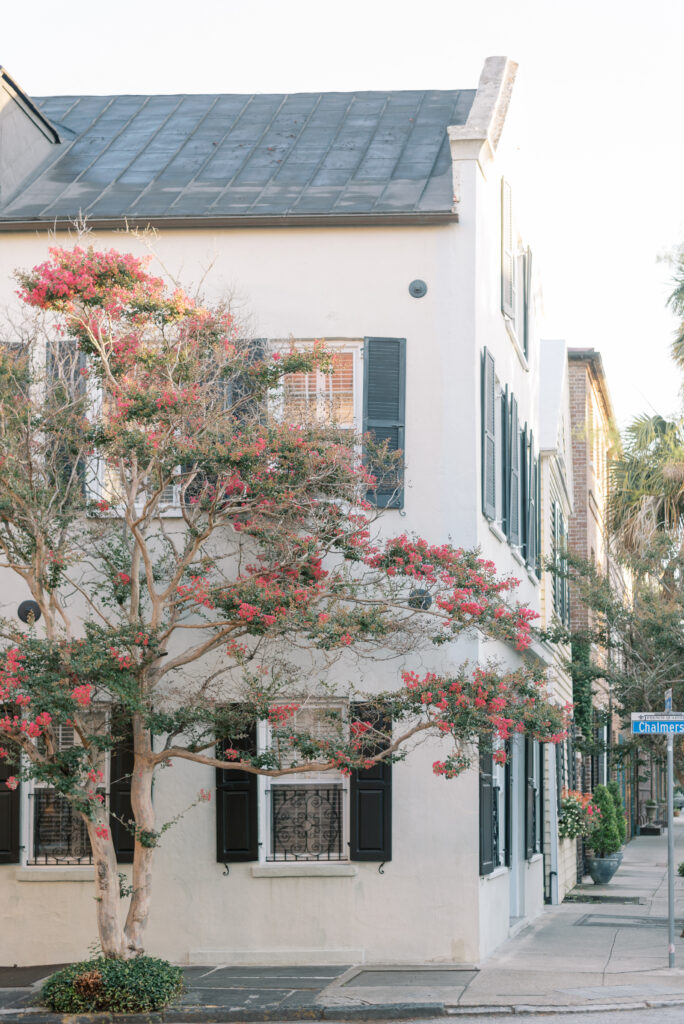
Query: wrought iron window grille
[(59, 835), (307, 823)]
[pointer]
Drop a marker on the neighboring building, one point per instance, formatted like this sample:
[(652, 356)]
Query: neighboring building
[(384, 223), (594, 440), (555, 441)]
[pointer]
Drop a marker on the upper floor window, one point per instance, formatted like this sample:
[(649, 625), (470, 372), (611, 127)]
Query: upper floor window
[(516, 277)]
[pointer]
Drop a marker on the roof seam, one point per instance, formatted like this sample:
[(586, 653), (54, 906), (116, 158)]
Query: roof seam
[(403, 149), (365, 152), (251, 151)]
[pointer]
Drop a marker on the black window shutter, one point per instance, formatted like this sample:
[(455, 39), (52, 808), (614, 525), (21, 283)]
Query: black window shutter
[(488, 435), (9, 816), (121, 761), (509, 806), (514, 486), (507, 252), (505, 462), (530, 800), (487, 851), (237, 831), (384, 411), (370, 818)]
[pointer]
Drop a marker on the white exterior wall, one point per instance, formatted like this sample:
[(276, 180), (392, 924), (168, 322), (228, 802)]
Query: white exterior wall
[(428, 905)]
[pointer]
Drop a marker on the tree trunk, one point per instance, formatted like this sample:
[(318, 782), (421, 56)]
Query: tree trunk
[(107, 897), (143, 812)]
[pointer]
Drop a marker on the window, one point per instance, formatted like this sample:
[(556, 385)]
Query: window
[(57, 833), (305, 818), (366, 393), (321, 816), (534, 795), (561, 584), (516, 277), (493, 812)]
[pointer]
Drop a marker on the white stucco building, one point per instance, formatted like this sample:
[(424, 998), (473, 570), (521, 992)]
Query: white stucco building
[(384, 223)]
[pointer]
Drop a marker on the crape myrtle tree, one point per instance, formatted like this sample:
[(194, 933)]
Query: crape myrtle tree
[(187, 551)]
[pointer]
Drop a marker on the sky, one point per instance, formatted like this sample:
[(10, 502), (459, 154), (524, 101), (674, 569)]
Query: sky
[(599, 99)]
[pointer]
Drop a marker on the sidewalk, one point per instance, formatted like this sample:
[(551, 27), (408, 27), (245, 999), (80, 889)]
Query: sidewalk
[(607, 949)]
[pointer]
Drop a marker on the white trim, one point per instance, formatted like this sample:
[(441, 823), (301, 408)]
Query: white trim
[(68, 873)]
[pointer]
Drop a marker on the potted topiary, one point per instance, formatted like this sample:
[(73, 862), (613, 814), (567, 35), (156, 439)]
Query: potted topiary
[(621, 820), (604, 839)]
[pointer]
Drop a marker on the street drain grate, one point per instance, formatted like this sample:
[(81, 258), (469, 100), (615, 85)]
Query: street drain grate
[(614, 921), (588, 897), (415, 978)]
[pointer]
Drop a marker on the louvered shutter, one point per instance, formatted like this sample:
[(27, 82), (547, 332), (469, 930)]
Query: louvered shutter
[(507, 252), (9, 816), (524, 490), (530, 800), (237, 837), (557, 583), (384, 411), (487, 844), (532, 507), (488, 435), (527, 312), (514, 487), (121, 760), (505, 462), (370, 818), (239, 387)]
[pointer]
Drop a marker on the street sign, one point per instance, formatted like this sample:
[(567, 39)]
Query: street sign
[(668, 699), (657, 726)]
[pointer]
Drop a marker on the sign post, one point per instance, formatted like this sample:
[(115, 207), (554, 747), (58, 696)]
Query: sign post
[(666, 723)]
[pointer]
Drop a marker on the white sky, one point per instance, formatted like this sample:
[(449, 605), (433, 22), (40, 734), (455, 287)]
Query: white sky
[(599, 96)]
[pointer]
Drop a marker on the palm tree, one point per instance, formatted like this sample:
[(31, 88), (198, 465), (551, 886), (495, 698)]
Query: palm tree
[(676, 304), (647, 485)]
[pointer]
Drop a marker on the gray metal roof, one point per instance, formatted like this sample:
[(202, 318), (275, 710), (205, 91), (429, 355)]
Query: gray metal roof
[(246, 159)]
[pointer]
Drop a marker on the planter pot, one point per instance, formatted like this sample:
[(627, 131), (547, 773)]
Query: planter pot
[(602, 869), (651, 811)]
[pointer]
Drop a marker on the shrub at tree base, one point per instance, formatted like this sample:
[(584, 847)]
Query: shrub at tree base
[(122, 986), (604, 837), (620, 819)]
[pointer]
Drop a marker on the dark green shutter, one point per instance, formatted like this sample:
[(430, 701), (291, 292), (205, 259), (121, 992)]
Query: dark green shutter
[(531, 554), (530, 801), (370, 818), (384, 411), (120, 772), (239, 388), (488, 403), (505, 462), (557, 582), (9, 816), (514, 486), (507, 252), (237, 830), (487, 850)]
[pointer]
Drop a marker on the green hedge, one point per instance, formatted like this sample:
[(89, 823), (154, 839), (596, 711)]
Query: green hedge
[(621, 820), (122, 986)]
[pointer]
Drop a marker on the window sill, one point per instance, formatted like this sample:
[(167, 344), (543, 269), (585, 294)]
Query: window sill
[(518, 557), (496, 873), (533, 578), (497, 531), (302, 870), (535, 858), (61, 874)]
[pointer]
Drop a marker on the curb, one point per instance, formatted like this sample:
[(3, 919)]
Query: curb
[(353, 1012)]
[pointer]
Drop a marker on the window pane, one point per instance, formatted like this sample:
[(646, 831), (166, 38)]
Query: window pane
[(306, 823), (299, 394), (340, 390)]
